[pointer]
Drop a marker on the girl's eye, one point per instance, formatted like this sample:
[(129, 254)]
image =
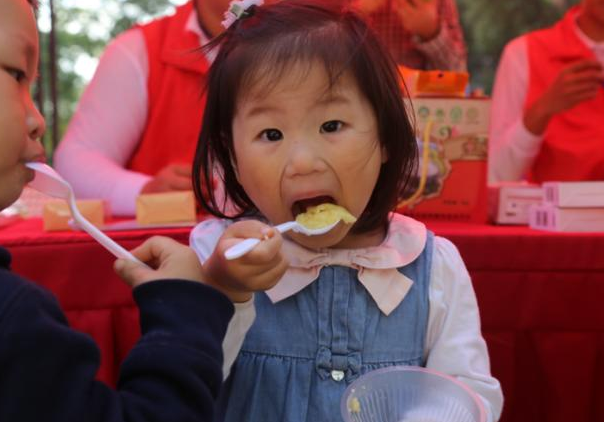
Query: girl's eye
[(271, 135), (331, 126), (17, 74)]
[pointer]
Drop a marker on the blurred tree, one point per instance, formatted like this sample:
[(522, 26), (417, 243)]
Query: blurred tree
[(134, 11), (81, 34), (490, 24)]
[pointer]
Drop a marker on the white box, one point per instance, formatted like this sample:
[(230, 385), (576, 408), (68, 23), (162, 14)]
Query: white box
[(551, 218), (574, 194), (509, 202)]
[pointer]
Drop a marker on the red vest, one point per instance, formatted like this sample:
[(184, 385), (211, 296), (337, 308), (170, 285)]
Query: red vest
[(573, 143), (177, 73)]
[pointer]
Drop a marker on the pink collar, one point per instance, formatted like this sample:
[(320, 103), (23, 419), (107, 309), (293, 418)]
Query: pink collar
[(377, 265)]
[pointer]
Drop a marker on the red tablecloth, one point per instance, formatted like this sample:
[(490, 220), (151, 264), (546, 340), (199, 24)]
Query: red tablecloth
[(539, 295)]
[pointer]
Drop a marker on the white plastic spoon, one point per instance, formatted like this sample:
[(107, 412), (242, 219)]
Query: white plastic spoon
[(247, 245), (48, 181)]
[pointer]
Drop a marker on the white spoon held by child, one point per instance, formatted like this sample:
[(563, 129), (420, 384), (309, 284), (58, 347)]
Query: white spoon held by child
[(48, 181), (247, 245), (316, 221)]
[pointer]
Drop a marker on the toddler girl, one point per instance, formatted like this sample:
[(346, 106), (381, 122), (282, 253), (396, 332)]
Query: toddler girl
[(304, 107)]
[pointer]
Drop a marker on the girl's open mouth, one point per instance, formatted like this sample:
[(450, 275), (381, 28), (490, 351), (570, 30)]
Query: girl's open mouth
[(302, 205)]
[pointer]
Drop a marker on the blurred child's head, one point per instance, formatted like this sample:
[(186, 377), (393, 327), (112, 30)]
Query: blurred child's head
[(303, 107), (21, 125)]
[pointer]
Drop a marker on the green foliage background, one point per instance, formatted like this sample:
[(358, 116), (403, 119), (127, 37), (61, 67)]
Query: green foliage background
[(488, 26), (80, 32)]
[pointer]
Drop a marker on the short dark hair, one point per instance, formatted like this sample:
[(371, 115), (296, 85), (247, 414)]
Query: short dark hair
[(272, 39)]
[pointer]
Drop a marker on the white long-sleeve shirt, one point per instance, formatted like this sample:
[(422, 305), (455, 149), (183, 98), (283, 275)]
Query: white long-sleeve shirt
[(109, 122), (512, 147)]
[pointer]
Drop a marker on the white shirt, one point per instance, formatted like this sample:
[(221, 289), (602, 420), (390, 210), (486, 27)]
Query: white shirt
[(109, 122), (512, 147), (454, 343)]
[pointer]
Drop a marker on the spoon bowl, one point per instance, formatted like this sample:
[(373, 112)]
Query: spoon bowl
[(299, 228), (48, 181), (247, 245)]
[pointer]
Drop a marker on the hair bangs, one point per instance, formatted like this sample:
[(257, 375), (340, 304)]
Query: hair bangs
[(258, 68)]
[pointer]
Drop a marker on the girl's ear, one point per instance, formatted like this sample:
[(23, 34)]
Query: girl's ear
[(235, 170), (384, 154)]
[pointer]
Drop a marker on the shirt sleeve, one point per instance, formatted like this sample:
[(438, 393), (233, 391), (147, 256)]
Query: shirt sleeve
[(512, 148), (107, 126), (454, 343), (49, 365), (446, 51), (203, 240)]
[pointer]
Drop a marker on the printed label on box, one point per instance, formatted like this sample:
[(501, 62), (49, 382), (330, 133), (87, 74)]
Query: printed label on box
[(455, 174)]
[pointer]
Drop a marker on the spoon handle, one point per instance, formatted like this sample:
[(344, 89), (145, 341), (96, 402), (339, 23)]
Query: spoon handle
[(101, 237), (241, 248), (247, 245), (287, 226)]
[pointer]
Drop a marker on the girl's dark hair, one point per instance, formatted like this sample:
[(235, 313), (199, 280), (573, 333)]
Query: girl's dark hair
[(262, 48)]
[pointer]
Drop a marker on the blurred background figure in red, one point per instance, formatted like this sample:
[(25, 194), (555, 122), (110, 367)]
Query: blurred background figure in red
[(136, 125), (421, 34), (548, 102)]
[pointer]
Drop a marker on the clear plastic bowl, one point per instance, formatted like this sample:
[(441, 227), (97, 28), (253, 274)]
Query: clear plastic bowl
[(410, 394)]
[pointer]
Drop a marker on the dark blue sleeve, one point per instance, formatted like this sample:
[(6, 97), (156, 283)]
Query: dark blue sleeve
[(173, 373)]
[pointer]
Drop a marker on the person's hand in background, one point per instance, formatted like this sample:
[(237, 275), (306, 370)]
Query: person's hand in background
[(420, 17), (369, 6), (173, 177), (577, 82)]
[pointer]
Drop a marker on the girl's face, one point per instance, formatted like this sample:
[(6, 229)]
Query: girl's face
[(20, 122), (302, 144)]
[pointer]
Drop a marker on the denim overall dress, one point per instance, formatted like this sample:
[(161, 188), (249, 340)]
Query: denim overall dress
[(302, 352)]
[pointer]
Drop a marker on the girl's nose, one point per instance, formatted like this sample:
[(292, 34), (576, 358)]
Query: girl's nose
[(304, 158)]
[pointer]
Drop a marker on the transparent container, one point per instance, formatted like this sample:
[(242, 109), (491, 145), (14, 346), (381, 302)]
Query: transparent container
[(410, 394)]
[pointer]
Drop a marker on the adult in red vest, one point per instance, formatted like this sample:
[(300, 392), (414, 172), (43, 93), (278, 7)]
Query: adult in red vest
[(548, 102), (136, 126)]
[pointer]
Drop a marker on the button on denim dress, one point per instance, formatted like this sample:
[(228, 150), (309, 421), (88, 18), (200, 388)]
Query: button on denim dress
[(302, 352)]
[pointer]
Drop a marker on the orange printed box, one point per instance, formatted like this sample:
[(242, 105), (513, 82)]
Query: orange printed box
[(434, 83), (165, 208), (56, 213), (451, 181)]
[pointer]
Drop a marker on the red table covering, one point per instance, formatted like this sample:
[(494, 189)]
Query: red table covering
[(539, 295)]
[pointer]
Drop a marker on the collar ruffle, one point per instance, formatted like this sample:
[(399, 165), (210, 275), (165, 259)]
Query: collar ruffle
[(377, 266)]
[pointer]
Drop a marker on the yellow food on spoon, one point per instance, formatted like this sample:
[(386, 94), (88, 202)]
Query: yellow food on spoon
[(323, 215)]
